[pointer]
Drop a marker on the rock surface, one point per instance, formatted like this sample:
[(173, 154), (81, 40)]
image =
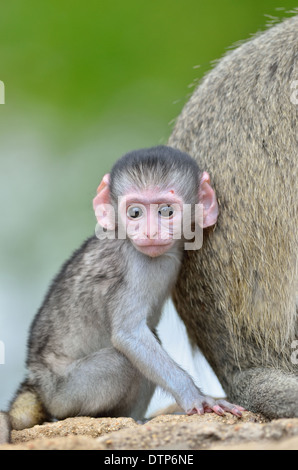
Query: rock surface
[(165, 432)]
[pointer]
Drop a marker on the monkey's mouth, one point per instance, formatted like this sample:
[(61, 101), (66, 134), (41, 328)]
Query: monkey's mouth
[(153, 247), (153, 242)]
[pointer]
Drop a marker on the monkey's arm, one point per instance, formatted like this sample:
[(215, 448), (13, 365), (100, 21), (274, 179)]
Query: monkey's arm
[(141, 347)]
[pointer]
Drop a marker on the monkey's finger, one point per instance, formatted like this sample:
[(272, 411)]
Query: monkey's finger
[(227, 405), (200, 410), (208, 410), (235, 411), (192, 411), (231, 408), (218, 410)]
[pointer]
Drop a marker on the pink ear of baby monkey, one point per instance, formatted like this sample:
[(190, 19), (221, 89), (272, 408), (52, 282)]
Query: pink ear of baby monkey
[(104, 211), (207, 197)]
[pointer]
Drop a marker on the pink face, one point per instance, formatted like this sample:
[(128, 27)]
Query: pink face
[(151, 220)]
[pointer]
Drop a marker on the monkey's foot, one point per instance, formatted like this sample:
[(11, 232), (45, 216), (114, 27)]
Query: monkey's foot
[(209, 405)]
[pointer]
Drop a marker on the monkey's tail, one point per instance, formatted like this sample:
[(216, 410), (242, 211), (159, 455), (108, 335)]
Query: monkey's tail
[(26, 410), (5, 427)]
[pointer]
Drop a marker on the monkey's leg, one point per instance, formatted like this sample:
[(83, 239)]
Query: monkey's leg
[(102, 384), (271, 392)]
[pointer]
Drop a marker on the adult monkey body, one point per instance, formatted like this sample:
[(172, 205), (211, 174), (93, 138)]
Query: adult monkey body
[(241, 287)]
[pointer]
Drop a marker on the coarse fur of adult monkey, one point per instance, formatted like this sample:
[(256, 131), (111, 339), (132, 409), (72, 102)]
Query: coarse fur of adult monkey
[(92, 348), (241, 288)]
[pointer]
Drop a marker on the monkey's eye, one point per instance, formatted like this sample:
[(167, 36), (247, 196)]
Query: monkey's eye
[(166, 211), (134, 212)]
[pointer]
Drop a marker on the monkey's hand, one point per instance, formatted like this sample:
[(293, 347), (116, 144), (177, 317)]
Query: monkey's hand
[(205, 404)]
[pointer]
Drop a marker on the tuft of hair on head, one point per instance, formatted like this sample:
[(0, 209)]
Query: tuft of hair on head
[(157, 167)]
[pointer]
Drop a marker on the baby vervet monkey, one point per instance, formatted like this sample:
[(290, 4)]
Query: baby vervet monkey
[(93, 349)]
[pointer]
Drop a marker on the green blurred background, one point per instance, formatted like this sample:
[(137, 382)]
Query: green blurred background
[(84, 83)]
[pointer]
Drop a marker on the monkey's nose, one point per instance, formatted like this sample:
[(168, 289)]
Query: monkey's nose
[(153, 236), (150, 236)]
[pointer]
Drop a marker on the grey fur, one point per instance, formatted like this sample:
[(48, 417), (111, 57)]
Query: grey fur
[(145, 167), (241, 288), (72, 359), (92, 348)]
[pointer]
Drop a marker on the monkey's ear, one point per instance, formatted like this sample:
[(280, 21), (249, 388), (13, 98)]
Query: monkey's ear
[(104, 211), (207, 197)]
